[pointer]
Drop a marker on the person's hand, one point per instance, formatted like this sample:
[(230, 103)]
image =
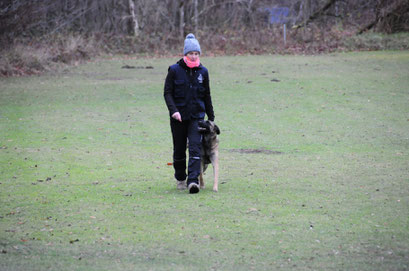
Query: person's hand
[(177, 116)]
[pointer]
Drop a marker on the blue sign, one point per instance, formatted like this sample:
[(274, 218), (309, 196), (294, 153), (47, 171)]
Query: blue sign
[(278, 15)]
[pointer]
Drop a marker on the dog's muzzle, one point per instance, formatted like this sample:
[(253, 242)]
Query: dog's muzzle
[(203, 126)]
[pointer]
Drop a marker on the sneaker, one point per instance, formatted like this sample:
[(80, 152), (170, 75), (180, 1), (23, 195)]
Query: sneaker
[(193, 188), (181, 185)]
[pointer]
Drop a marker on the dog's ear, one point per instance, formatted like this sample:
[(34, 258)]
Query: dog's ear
[(216, 129)]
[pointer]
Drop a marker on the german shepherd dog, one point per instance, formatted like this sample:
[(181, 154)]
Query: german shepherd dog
[(210, 151)]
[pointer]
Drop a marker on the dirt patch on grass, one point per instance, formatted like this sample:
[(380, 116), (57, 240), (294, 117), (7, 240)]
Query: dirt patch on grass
[(252, 151)]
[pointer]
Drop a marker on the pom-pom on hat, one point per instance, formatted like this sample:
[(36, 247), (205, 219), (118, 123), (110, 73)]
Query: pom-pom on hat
[(191, 44)]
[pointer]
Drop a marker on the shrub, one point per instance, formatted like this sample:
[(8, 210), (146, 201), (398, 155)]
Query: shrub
[(38, 55), (378, 41)]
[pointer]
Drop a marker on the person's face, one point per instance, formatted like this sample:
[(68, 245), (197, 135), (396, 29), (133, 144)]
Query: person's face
[(193, 56)]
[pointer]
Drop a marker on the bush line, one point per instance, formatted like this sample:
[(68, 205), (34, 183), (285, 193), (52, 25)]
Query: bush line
[(47, 53)]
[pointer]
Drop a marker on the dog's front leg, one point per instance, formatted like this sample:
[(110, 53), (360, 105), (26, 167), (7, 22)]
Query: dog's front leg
[(201, 181), (215, 164)]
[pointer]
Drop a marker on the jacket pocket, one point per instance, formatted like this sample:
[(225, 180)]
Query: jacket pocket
[(179, 93), (179, 88), (201, 92)]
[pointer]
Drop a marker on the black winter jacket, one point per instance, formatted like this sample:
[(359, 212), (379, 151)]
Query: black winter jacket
[(187, 91)]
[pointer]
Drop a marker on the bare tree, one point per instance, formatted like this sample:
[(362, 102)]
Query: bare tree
[(134, 25), (182, 18), (310, 16), (170, 20), (196, 15)]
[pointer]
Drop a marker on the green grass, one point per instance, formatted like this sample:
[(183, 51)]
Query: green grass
[(314, 168)]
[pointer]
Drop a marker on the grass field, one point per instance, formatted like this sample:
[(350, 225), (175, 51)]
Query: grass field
[(314, 156)]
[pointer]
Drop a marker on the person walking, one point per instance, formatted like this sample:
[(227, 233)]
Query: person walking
[(188, 99)]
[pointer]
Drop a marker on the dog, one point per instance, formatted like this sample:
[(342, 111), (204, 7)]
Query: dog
[(210, 151)]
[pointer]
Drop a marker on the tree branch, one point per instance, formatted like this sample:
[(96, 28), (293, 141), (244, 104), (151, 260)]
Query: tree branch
[(316, 14)]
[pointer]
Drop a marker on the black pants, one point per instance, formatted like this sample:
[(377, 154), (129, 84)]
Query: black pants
[(181, 131)]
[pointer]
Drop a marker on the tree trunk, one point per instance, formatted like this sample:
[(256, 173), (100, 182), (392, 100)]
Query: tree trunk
[(196, 19), (182, 19), (134, 26)]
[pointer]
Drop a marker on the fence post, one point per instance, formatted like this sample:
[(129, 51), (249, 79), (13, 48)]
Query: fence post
[(285, 34)]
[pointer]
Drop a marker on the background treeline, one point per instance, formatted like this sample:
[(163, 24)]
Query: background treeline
[(75, 29)]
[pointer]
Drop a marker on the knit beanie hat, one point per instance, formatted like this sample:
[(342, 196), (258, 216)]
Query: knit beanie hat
[(191, 44)]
